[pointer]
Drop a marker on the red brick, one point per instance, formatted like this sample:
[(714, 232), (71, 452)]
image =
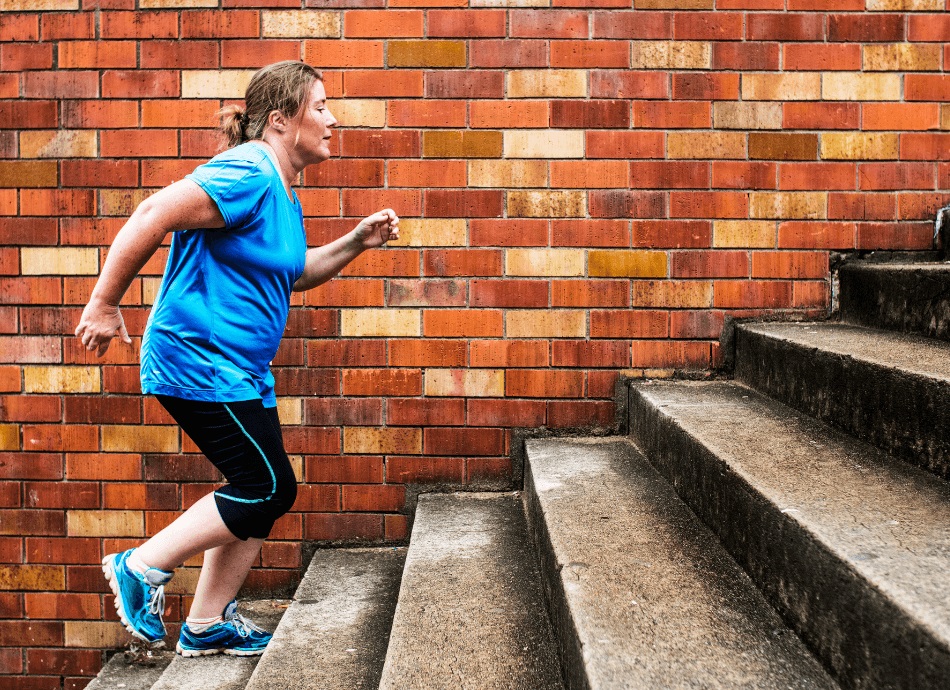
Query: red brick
[(637, 323), (590, 233), (663, 234), (30, 408), (18, 57), (63, 25), (508, 233), (508, 413), (180, 54), (902, 236), (425, 470), (425, 412), (619, 144), (32, 634), (509, 353), (493, 471), (23, 522), (386, 382), (63, 606), (509, 293), (313, 498), (465, 203), (72, 84), (71, 550), (897, 176), (707, 26), (343, 411), (140, 84), (61, 495), (296, 381), (20, 27), (811, 176), (718, 86), (426, 293), (590, 114), (360, 202), (151, 496), (587, 53), (696, 324), (816, 235), (508, 52), (927, 146), (460, 323), (336, 53), (916, 206), (100, 114), (639, 24), (865, 27), (426, 173), (709, 205), (745, 56), (31, 114), (709, 264), (580, 414), (96, 54), (671, 353), (621, 204), (481, 23), (462, 262), (669, 174), (201, 143), (330, 527), (384, 262), (900, 116), (427, 113), (861, 206), (280, 555), (344, 469), (11, 658), (784, 264), (591, 353), (822, 57), (590, 293), (312, 440), (99, 173), (663, 115), (383, 23), (629, 84), (743, 175), (427, 353), (373, 497), (397, 143), (548, 24), (465, 441), (464, 84), (348, 293), (820, 115), (397, 84), (139, 143), (9, 88), (928, 27), (220, 24), (752, 294), (768, 26), (139, 24)]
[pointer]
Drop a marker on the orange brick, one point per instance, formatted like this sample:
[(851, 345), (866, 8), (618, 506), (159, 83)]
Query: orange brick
[(816, 235), (423, 412), (425, 470), (383, 23), (427, 353), (640, 323), (679, 354), (544, 383), (20, 27), (900, 116), (78, 84), (671, 234), (508, 53), (509, 353), (753, 294), (590, 293), (426, 54), (17, 57), (257, 52), (139, 24), (669, 174), (64, 25), (428, 113), (96, 54), (398, 83), (898, 176), (591, 353), (548, 24), (343, 172), (140, 84), (481, 23), (789, 264), (387, 382), (452, 323), (822, 57), (672, 294), (508, 114), (443, 173), (709, 264), (100, 114), (821, 115), (335, 53), (180, 54), (587, 53)]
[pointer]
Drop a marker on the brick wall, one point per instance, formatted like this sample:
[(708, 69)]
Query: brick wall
[(585, 188)]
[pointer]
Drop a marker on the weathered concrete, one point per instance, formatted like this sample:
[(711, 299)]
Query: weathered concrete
[(644, 595), (852, 546), (221, 672), (887, 388), (334, 635), (471, 612), (904, 297), (126, 671)]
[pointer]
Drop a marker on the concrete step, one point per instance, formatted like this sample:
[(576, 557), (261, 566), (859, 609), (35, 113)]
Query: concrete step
[(850, 545), (471, 611), (131, 671), (221, 671), (643, 595), (887, 388), (904, 297), (334, 635)]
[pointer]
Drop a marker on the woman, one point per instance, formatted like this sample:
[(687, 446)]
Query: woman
[(237, 252)]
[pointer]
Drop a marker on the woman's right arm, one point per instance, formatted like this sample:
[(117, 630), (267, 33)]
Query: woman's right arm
[(181, 206)]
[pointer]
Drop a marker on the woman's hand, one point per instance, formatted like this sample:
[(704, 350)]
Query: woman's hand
[(377, 229), (99, 324)]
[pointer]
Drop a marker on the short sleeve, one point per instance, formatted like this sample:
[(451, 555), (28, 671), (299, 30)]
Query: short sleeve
[(237, 185)]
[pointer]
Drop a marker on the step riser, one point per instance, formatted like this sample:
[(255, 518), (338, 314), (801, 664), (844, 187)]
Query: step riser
[(568, 640), (912, 301), (863, 638), (905, 416)]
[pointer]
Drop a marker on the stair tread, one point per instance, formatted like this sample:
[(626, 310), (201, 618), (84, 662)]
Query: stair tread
[(470, 612), (887, 520), (220, 671), (912, 354), (653, 597), (131, 672), (334, 634)]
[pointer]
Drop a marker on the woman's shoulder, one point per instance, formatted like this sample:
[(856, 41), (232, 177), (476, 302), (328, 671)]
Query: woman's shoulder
[(246, 154)]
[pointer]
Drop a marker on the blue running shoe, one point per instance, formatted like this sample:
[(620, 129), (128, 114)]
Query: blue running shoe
[(139, 599), (234, 635)]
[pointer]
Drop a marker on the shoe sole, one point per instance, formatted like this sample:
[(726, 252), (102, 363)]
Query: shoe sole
[(113, 581), (188, 653)]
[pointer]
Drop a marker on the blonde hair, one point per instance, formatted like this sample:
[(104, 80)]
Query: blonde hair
[(282, 86)]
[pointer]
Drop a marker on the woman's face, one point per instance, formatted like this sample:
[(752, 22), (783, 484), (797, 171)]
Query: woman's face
[(314, 123)]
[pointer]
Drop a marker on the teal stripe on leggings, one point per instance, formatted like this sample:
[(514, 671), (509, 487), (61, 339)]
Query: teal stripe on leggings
[(270, 469)]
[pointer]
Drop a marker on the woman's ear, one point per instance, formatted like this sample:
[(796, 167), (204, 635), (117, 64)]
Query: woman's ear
[(276, 120)]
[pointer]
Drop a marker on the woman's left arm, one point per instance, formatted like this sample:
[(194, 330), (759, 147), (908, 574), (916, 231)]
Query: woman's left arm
[(325, 262)]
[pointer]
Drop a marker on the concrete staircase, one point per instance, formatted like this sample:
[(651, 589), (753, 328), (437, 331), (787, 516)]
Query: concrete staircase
[(786, 529)]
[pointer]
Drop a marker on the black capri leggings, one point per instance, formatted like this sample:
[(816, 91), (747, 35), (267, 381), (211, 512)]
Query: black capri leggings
[(243, 440)]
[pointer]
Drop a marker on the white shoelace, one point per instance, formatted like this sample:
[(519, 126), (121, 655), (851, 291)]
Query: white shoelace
[(156, 605), (243, 625)]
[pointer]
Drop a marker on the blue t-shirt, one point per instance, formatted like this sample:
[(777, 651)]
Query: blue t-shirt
[(223, 303)]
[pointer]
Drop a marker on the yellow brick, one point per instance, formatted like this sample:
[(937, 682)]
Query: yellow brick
[(9, 437), (856, 86), (897, 5), (945, 116), (787, 205), (673, 4), (546, 323), (455, 144), (431, 232), (139, 439), (544, 143), (63, 143), (706, 145), (121, 202), (729, 115), (510, 3), (546, 83), (544, 262), (507, 174), (380, 322), (150, 288), (802, 86), (355, 112), (859, 146), (33, 578), (902, 57), (213, 83), (671, 55), (171, 4), (185, 581), (744, 233), (386, 440), (105, 523), (677, 294), (547, 204), (290, 410), (296, 462), (96, 634), (28, 174), (61, 380), (426, 53), (300, 24), (36, 5), (626, 264), (74, 261), (469, 383)]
